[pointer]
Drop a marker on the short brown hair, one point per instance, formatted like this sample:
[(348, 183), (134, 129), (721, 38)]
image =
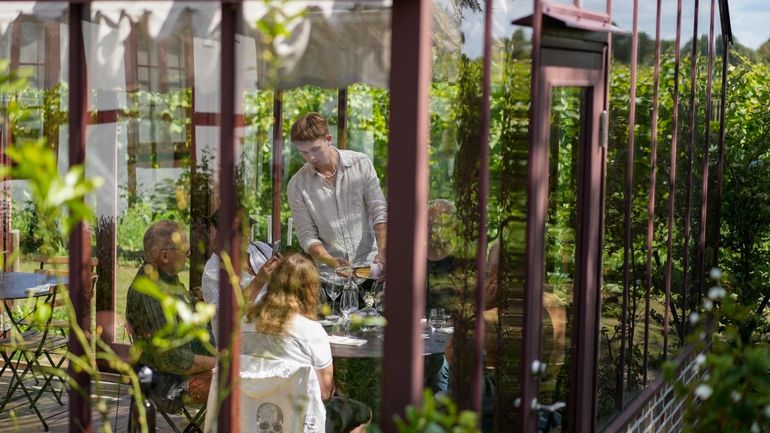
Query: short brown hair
[(309, 127)]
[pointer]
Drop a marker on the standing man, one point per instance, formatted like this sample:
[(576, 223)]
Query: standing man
[(336, 200)]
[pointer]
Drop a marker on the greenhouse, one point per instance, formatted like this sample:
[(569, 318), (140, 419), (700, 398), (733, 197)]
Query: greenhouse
[(384, 215)]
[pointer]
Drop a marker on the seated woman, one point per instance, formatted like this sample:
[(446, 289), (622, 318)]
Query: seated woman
[(254, 273), (285, 330)]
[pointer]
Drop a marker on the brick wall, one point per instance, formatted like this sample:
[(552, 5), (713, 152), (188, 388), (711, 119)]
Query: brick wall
[(657, 409)]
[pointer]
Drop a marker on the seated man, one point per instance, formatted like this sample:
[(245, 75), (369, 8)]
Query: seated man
[(165, 254)]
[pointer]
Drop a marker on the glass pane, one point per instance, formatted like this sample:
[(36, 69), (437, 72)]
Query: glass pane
[(561, 224), (30, 46), (645, 327), (334, 62), (143, 141), (682, 167), (508, 186), (611, 329), (453, 218)]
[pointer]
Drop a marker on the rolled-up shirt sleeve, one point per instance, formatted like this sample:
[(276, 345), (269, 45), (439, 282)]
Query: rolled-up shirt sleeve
[(375, 199), (307, 233)]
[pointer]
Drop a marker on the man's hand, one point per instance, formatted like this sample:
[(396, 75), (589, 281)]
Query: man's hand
[(336, 262), (319, 252), (380, 258)]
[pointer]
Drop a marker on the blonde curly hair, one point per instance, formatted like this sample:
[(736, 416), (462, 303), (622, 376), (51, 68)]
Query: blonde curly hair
[(293, 288)]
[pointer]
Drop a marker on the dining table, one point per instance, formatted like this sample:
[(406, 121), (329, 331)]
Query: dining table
[(358, 366), (372, 342), (24, 285)]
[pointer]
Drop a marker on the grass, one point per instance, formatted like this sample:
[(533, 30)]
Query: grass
[(125, 274)]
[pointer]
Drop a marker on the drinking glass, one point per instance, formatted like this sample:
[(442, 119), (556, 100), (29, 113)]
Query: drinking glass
[(349, 305), (437, 319), (379, 296), (334, 289)]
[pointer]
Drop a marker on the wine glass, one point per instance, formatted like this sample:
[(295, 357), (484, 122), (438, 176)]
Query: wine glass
[(369, 312), (379, 296), (334, 289), (349, 305), (437, 319)]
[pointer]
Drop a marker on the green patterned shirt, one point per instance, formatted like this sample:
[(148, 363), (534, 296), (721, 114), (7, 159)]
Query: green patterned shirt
[(145, 314)]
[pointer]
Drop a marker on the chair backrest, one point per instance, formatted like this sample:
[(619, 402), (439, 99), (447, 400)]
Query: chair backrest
[(275, 396), (58, 265)]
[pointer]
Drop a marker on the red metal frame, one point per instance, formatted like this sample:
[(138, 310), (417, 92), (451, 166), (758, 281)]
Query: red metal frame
[(629, 195), (651, 202), (706, 144), (407, 207), (229, 236), (721, 149), (690, 155), (537, 193), (477, 382), (277, 164), (672, 159), (80, 240)]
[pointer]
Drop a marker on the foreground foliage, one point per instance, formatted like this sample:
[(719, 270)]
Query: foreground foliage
[(731, 388)]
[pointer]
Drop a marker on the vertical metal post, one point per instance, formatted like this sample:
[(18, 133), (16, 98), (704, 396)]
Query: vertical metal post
[(478, 382), (672, 161), (200, 181), (651, 202), (80, 240), (721, 151), (653, 172), (690, 152), (706, 144), (277, 164), (607, 71), (342, 118), (407, 206), (624, 329), (7, 141), (537, 196), (229, 237)]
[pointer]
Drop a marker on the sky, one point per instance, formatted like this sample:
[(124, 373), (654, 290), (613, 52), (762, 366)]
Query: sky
[(750, 19)]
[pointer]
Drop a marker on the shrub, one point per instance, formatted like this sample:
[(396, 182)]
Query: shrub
[(731, 392)]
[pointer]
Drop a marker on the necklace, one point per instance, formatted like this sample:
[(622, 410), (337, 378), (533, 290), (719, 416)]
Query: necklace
[(334, 173)]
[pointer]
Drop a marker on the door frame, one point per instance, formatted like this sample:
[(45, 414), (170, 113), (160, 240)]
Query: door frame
[(566, 65)]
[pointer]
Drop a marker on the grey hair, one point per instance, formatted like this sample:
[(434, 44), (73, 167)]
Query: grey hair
[(160, 235)]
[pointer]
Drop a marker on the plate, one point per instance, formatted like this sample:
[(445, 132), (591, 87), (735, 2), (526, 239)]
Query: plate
[(363, 272), (360, 272)]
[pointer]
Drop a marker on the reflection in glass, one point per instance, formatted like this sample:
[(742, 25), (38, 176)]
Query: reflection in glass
[(30, 37), (558, 291)]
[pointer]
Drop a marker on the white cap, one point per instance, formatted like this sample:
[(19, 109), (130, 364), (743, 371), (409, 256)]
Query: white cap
[(259, 252)]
